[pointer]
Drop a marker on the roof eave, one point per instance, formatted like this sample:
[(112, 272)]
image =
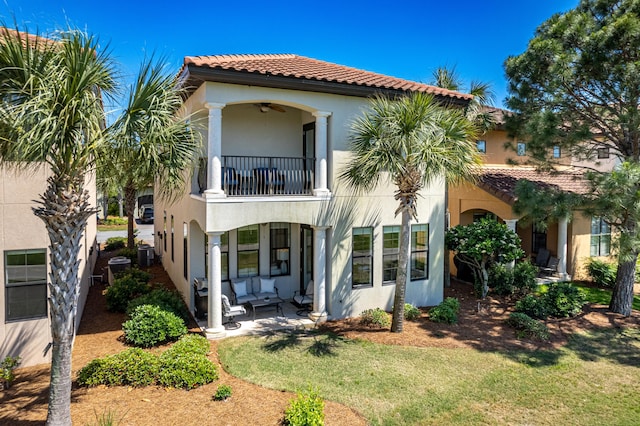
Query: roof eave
[(195, 75)]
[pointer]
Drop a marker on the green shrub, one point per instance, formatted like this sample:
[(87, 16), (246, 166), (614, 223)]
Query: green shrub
[(163, 298), (123, 290), (7, 376), (192, 343), (532, 306), (527, 326), (375, 318), (150, 325), (521, 279), (132, 367), (180, 368), (564, 300), (115, 243), (136, 274), (411, 313), (307, 409), (130, 253), (446, 312), (114, 220), (222, 393), (602, 273)]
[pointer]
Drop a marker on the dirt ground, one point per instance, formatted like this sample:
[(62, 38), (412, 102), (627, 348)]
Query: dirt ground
[(481, 326)]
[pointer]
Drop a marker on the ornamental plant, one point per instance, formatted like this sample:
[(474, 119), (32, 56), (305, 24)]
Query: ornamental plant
[(481, 244)]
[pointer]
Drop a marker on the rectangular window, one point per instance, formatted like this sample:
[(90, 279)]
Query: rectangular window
[(224, 256), (185, 252), (600, 237), (172, 239), (539, 238), (280, 248), (25, 284), (362, 257), (248, 251), (557, 152), (164, 232), (522, 148), (419, 259), (482, 146), (391, 248), (603, 152)]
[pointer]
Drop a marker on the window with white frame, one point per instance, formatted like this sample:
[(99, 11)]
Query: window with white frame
[(280, 248), (600, 237), (521, 148), (362, 257), (557, 152), (419, 259), (248, 251), (25, 284), (391, 249), (482, 146)]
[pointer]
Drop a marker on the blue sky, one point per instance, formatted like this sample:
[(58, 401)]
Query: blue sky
[(402, 38)]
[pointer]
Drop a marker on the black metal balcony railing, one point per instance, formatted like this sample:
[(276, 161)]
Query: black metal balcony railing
[(260, 176)]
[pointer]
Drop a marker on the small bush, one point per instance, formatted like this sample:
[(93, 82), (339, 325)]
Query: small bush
[(130, 253), (163, 298), (532, 306), (184, 369), (114, 220), (524, 277), (136, 274), (132, 367), (521, 279), (222, 393), (150, 325), (7, 376), (123, 290), (115, 243), (446, 312), (602, 273), (411, 313), (307, 409), (192, 343), (528, 327), (564, 300), (375, 318)]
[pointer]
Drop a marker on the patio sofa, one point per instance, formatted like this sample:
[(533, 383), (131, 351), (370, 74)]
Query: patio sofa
[(253, 288)]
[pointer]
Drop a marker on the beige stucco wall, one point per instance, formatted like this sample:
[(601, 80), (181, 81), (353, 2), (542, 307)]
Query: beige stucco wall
[(246, 131), (21, 229)]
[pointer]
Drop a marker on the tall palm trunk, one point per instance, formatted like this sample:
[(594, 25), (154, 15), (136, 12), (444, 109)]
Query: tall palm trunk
[(401, 276), (64, 210), (130, 205)]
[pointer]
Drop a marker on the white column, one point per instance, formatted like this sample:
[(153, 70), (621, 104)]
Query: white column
[(511, 225), (562, 248), (214, 151), (214, 282), (319, 313), (320, 188)]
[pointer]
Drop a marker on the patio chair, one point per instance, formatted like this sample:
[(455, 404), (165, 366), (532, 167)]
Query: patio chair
[(304, 300), (268, 180), (230, 312), (542, 258), (242, 290), (551, 268), (229, 180)]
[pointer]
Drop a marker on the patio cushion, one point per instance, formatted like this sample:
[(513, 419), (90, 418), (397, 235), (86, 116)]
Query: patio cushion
[(240, 288), (267, 285)]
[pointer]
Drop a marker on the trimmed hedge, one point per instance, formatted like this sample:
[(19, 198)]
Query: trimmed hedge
[(375, 318), (163, 298), (150, 325), (527, 326), (446, 312)]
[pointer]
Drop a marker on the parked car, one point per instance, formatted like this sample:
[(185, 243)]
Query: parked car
[(146, 214)]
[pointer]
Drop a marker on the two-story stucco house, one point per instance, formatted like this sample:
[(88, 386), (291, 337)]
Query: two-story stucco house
[(573, 241), (266, 200), (25, 329)]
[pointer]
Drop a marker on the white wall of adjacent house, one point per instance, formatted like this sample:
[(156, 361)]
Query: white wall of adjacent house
[(21, 231), (247, 131)]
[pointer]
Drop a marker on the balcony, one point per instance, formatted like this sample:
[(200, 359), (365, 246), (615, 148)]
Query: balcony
[(250, 176)]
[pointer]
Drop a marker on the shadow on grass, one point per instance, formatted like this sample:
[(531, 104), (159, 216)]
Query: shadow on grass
[(621, 346), (318, 344)]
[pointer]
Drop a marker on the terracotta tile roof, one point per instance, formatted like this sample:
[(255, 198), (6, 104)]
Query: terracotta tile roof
[(501, 182), (303, 68)]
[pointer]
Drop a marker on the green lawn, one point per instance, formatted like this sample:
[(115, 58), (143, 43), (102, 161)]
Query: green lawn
[(598, 295), (592, 381)]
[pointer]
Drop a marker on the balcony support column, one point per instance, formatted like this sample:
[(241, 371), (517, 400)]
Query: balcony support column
[(562, 248), (511, 225), (319, 313), (214, 329), (214, 151), (320, 188)]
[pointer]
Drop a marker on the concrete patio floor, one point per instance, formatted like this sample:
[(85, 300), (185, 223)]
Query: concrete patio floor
[(268, 320)]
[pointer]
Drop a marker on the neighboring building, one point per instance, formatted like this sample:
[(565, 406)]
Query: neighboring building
[(25, 330), (573, 241), (266, 200)]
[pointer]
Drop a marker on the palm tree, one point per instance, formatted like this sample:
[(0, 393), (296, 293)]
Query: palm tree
[(51, 114), (411, 141), (151, 140)]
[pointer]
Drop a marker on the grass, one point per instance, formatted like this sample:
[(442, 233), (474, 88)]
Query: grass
[(113, 223), (600, 296), (591, 381)]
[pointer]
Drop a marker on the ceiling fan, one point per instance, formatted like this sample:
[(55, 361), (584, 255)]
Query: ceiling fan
[(265, 107)]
